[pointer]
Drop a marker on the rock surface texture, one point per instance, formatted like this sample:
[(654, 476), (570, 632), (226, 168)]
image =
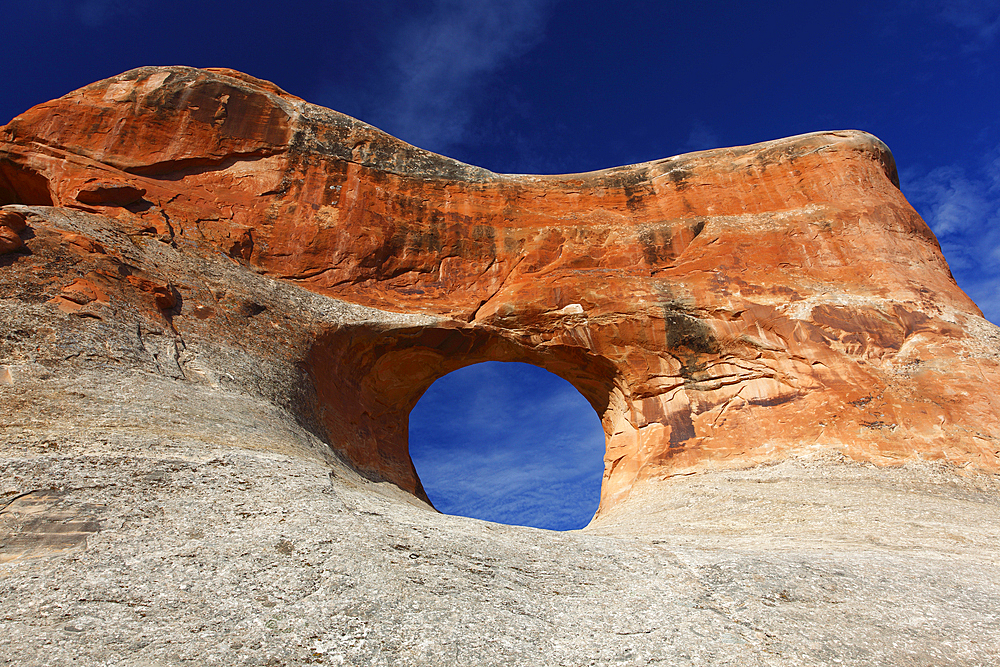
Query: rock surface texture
[(219, 303)]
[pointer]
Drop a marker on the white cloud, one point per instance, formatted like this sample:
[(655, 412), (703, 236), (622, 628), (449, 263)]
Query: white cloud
[(962, 207), (441, 59), (701, 137), (955, 203)]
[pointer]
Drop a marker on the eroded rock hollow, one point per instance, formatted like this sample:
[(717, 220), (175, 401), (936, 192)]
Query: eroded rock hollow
[(718, 309)]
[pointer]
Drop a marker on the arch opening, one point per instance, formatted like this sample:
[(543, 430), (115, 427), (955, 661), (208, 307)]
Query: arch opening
[(368, 379), (509, 442)]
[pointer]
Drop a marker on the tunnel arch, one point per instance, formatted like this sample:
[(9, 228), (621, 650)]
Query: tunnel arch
[(368, 380)]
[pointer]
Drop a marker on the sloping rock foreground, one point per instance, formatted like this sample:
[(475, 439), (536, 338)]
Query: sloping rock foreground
[(219, 304)]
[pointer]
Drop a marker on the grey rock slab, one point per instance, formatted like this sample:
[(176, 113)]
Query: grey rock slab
[(210, 555)]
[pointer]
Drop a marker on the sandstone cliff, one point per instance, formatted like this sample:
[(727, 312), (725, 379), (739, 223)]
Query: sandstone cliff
[(717, 309), (214, 294)]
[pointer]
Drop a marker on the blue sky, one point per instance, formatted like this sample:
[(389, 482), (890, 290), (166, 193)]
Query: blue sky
[(511, 443), (550, 86)]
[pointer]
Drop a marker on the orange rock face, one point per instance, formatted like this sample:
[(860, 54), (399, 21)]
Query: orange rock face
[(10, 224), (718, 309)]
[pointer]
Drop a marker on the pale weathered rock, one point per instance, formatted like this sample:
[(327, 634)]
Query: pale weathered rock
[(193, 376)]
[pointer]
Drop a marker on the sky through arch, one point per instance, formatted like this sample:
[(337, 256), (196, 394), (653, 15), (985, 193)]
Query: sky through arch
[(511, 443)]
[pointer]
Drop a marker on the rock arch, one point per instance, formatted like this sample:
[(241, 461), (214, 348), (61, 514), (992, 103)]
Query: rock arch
[(367, 382), (719, 309)]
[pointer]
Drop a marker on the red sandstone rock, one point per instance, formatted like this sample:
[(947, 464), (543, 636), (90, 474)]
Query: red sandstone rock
[(718, 309), (83, 291), (163, 295), (9, 240), (12, 220), (11, 223), (84, 243)]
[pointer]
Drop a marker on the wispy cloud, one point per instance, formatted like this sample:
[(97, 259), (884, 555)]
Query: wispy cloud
[(510, 443), (701, 137), (962, 206), (440, 63), (95, 13), (89, 13), (979, 18)]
